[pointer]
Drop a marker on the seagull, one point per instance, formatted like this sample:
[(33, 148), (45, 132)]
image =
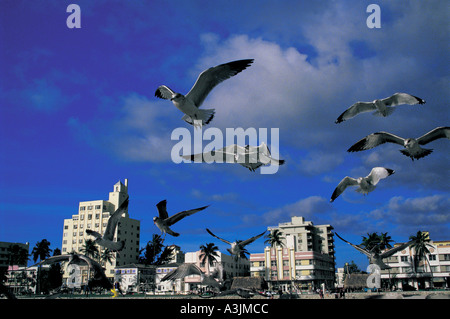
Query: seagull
[(107, 239), (164, 221), (366, 184), (412, 145), (237, 246), (251, 157), (376, 257), (189, 104), (188, 269), (382, 107), (99, 278)]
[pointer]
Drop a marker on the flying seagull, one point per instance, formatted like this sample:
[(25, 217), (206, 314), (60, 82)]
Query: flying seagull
[(163, 222), (382, 107), (365, 184), (412, 145), (189, 104), (107, 240), (238, 245), (251, 157), (188, 269), (98, 279), (375, 256)]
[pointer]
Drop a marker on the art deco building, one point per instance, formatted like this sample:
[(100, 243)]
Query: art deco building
[(94, 215), (305, 260)]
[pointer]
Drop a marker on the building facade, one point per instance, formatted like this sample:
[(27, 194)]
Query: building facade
[(305, 261), (404, 272), (94, 215)]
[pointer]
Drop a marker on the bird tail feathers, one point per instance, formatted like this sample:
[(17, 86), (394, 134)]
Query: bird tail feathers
[(389, 111), (205, 116)]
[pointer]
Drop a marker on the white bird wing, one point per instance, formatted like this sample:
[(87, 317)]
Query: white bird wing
[(164, 92), (211, 77), (343, 184), (355, 109), (392, 251), (251, 240), (402, 98), (227, 153), (183, 271), (114, 220), (360, 249), (224, 240), (178, 216), (54, 260), (378, 173), (375, 139), (438, 132)]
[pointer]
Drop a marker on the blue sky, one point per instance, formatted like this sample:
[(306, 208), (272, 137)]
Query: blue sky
[(78, 113)]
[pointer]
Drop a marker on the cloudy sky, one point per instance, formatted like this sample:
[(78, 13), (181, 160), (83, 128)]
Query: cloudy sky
[(78, 113)]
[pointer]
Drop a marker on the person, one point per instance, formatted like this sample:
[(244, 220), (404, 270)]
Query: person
[(117, 287), (321, 294)]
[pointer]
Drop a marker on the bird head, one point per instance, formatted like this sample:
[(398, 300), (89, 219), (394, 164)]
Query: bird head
[(155, 219)]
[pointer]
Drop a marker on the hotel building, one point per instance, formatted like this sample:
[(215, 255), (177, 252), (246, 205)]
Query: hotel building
[(94, 215), (305, 261), (404, 272)]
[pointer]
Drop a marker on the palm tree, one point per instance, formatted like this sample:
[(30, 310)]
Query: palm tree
[(41, 251), (208, 255), (274, 238), (90, 248), (385, 241), (151, 250), (106, 256), (372, 241), (421, 241)]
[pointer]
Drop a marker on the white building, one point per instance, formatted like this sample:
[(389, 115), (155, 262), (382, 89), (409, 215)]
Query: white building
[(94, 215)]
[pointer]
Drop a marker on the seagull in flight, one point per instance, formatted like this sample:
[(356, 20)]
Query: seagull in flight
[(107, 239), (375, 256), (412, 145), (188, 269), (238, 245), (365, 184), (251, 157), (190, 103), (163, 222), (381, 107), (98, 279)]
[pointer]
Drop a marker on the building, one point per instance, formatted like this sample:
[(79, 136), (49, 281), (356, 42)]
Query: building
[(230, 268), (136, 277), (404, 273), (305, 261), (94, 215), (7, 251)]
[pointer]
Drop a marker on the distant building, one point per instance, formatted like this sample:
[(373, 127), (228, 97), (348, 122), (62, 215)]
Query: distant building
[(94, 215), (136, 277), (6, 250), (404, 273), (305, 261), (231, 268)]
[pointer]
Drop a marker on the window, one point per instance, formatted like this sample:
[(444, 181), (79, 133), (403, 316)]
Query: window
[(432, 257), (82, 208), (404, 258), (89, 217), (98, 206), (90, 207)]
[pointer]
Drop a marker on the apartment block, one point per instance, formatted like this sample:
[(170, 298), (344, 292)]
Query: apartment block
[(94, 215), (304, 261), (6, 251)]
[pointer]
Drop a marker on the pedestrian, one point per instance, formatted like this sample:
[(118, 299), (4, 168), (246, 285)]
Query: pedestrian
[(117, 287)]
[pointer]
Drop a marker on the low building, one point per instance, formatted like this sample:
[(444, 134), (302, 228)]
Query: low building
[(405, 273), (136, 277), (305, 261)]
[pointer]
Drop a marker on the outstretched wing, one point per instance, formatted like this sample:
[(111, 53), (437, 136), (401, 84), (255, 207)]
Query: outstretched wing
[(225, 241), (114, 220), (402, 98), (54, 260), (375, 139), (251, 240), (360, 249), (178, 216), (392, 251), (355, 109), (223, 155), (438, 132), (378, 173), (343, 184), (93, 233), (183, 271), (162, 209), (164, 92), (211, 77)]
